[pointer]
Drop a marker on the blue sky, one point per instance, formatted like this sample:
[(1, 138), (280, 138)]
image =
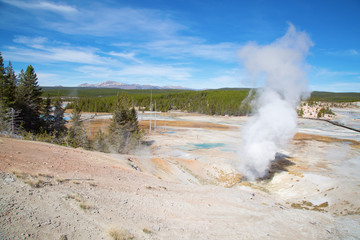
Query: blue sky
[(178, 43)]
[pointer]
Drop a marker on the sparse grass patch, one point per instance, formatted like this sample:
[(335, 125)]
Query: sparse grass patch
[(85, 206), (31, 180), (79, 199), (77, 183), (309, 206), (33, 175), (59, 180), (63, 237), (120, 234), (76, 198), (147, 231), (351, 212), (295, 173), (254, 186), (323, 205), (35, 183), (20, 175), (69, 196), (45, 175), (228, 179)]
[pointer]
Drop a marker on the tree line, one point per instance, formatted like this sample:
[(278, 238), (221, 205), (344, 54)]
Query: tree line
[(211, 102), (102, 92), (25, 113), (232, 102), (339, 97), (22, 107)]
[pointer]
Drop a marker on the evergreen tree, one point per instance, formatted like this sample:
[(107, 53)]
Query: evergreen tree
[(124, 131), (3, 119), (8, 120), (47, 118), (77, 136), (5, 123), (100, 143), (9, 88), (8, 113), (2, 80), (29, 100), (59, 122)]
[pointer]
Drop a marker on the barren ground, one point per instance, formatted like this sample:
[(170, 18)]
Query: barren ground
[(183, 186)]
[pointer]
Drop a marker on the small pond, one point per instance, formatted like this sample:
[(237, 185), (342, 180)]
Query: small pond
[(197, 146)]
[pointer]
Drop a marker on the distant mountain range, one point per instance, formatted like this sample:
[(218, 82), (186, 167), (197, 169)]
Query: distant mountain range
[(113, 84)]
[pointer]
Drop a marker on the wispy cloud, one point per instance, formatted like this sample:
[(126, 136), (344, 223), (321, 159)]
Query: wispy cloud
[(41, 52), (230, 78), (337, 87), (139, 73), (347, 52), (325, 79), (36, 42), (193, 47), (42, 5), (48, 79), (151, 32), (331, 73), (224, 80), (128, 56), (96, 19), (159, 71), (124, 23), (93, 64), (127, 44)]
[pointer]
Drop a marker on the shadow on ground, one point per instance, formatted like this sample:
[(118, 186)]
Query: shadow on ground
[(279, 164)]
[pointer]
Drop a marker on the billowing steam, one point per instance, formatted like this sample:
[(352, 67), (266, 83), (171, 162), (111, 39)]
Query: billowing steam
[(281, 65)]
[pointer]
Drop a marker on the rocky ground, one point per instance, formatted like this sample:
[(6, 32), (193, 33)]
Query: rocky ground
[(183, 186)]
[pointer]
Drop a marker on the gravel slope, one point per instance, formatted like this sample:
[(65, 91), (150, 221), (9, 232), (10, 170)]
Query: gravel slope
[(54, 192)]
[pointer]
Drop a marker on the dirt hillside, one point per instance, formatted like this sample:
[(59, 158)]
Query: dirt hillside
[(54, 192)]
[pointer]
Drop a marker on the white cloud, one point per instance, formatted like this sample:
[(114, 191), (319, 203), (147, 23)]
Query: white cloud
[(323, 79), (125, 23), (142, 45), (347, 52), (37, 42), (194, 47), (138, 73), (42, 50), (152, 32), (93, 63), (233, 78), (324, 72), (162, 71), (75, 55), (48, 79), (60, 54), (42, 5), (122, 44), (96, 72), (353, 52), (128, 56), (336, 87), (224, 81), (88, 69), (95, 19)]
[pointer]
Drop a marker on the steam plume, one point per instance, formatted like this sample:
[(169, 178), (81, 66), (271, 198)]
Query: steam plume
[(281, 65)]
